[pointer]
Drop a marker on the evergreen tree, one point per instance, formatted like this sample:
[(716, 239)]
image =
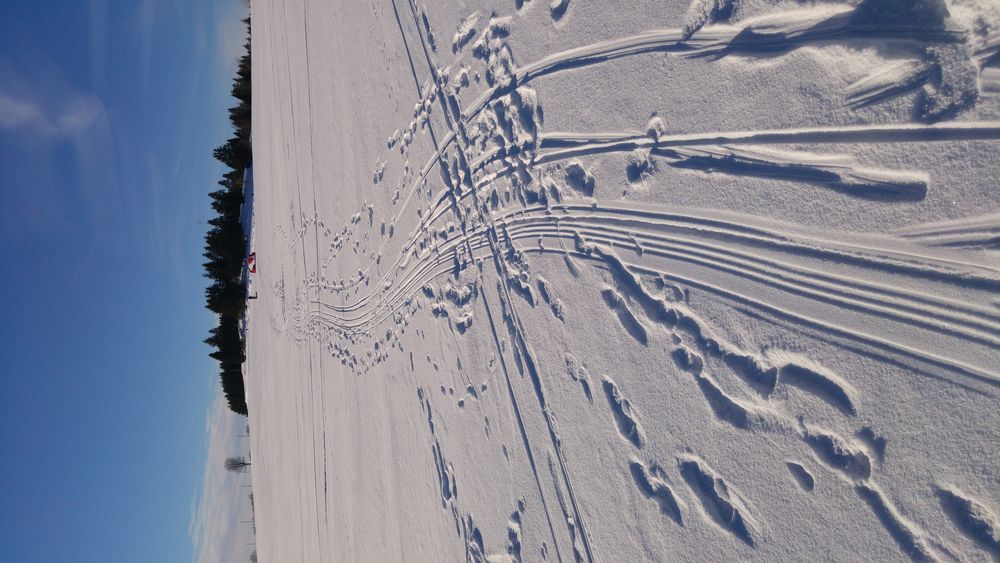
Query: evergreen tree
[(225, 244)]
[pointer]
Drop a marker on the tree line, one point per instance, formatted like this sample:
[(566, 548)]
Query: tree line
[(225, 244)]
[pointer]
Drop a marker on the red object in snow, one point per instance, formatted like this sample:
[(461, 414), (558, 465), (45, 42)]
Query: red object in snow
[(252, 262)]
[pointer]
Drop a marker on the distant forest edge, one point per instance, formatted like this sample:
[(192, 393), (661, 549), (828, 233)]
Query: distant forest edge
[(226, 245)]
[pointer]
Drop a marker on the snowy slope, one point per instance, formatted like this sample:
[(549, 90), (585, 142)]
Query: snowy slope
[(623, 281)]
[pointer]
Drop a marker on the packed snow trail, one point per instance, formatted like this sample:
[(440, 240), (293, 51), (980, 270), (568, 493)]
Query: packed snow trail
[(572, 281)]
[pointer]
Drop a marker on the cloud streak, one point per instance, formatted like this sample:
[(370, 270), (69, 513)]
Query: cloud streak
[(73, 119), (41, 116), (145, 20), (16, 113), (97, 42)]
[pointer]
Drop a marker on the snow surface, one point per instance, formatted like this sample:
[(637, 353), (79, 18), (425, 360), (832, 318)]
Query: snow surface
[(622, 281)]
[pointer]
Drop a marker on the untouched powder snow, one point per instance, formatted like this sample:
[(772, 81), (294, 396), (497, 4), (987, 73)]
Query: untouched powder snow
[(621, 281)]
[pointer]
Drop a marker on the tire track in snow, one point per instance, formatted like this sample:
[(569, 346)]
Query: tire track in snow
[(497, 259), (940, 306), (514, 324), (319, 359), (797, 280), (439, 157), (886, 259), (767, 34), (907, 354), (862, 181), (582, 144), (982, 232), (926, 310)]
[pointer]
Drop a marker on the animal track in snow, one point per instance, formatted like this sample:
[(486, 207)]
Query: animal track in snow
[(558, 8), (651, 483), (624, 414), (837, 453), (801, 475), (720, 503), (800, 372), (466, 31), (548, 294), (629, 321), (903, 532), (579, 373), (972, 518)]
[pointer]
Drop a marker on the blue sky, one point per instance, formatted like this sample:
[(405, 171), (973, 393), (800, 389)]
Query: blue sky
[(109, 110)]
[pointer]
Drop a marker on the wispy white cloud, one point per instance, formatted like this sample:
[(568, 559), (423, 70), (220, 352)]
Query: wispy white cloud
[(86, 123), (41, 115), (72, 119), (79, 115), (215, 528), (17, 113), (167, 225), (156, 223), (145, 20), (217, 26), (97, 39)]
